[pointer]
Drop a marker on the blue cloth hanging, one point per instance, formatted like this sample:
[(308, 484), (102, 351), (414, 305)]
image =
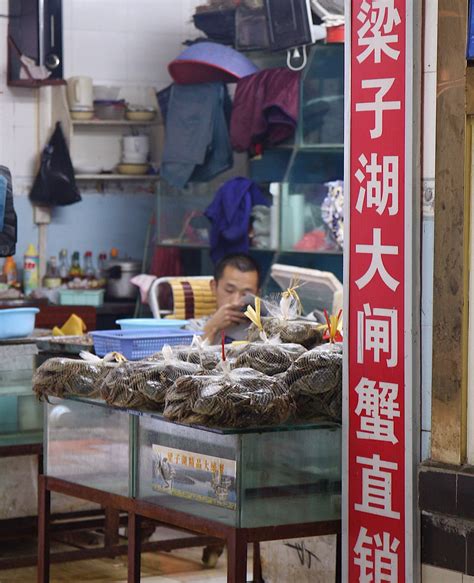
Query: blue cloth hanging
[(197, 143), (230, 213)]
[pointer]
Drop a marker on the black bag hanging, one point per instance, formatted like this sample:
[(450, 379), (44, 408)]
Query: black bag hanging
[(8, 219), (55, 184)]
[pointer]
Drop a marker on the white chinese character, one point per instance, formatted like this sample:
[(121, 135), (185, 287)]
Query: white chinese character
[(380, 408), (379, 564), (379, 105), (378, 21), (376, 250), (386, 558), (377, 332), (378, 188), (363, 552), (377, 487)]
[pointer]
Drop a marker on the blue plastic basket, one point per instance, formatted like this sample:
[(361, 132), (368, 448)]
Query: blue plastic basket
[(137, 344), (147, 323)]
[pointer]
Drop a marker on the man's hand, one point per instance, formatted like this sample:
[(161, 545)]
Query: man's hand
[(226, 316)]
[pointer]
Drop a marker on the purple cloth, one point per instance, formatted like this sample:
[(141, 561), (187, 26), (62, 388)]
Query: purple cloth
[(230, 213), (266, 107)]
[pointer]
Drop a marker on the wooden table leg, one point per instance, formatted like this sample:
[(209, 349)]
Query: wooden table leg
[(257, 565), (338, 558), (112, 525), (134, 547), (236, 557), (44, 512)]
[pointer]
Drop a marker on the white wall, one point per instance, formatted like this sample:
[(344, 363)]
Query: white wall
[(113, 41)]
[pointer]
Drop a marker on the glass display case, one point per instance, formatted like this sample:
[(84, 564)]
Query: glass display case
[(245, 478), (21, 418), (180, 215), (89, 445), (306, 219)]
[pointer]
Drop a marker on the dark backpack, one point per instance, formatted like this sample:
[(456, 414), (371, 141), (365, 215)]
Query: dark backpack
[(8, 220)]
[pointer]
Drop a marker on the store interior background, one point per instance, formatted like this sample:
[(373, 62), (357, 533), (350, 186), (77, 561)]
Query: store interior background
[(131, 42), (115, 42), (120, 42)]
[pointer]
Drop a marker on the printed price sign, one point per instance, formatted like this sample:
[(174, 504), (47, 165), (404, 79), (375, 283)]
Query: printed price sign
[(378, 492)]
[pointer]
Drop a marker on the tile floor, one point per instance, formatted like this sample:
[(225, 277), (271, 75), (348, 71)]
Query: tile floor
[(183, 566), (179, 566)]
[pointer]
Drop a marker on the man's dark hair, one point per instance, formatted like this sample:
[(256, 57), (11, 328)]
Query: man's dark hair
[(239, 261)]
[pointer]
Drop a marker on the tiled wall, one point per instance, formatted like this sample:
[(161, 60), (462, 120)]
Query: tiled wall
[(435, 575), (113, 41)]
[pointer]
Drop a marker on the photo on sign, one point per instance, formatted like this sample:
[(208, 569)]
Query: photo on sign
[(194, 476)]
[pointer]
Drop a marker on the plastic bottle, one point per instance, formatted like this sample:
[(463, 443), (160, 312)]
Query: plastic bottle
[(101, 269), (30, 270), (89, 271), (75, 270), (10, 271), (63, 266), (52, 278), (114, 252)]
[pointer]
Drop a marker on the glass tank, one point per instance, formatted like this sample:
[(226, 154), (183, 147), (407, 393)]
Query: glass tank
[(247, 478), (21, 415), (89, 444)]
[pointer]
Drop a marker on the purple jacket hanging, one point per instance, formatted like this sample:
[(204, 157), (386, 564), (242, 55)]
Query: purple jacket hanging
[(229, 214), (265, 109)]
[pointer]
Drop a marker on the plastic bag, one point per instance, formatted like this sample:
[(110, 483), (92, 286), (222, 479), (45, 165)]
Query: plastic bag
[(269, 357), (285, 321), (315, 383), (199, 352), (55, 184), (144, 383), (238, 398), (59, 377)]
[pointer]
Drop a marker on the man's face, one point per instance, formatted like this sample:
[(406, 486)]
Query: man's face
[(234, 285)]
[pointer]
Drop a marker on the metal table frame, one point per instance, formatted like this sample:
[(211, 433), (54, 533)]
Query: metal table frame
[(236, 539)]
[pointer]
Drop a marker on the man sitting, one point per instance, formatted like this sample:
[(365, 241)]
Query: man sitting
[(235, 277)]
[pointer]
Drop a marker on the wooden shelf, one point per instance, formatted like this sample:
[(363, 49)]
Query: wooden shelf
[(112, 122), (310, 252), (201, 247), (141, 177)]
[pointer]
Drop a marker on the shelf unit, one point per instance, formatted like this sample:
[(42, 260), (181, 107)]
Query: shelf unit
[(98, 142), (112, 177), (299, 168)]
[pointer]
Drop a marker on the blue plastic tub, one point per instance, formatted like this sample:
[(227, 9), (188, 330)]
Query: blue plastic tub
[(147, 323), (17, 322), (137, 344)]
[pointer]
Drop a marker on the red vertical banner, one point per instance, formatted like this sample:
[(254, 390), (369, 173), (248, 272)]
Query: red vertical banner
[(377, 479)]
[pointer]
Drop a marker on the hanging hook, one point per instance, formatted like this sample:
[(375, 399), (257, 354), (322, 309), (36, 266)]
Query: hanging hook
[(295, 53)]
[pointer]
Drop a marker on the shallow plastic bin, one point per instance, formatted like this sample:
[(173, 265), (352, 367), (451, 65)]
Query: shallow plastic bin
[(81, 297)]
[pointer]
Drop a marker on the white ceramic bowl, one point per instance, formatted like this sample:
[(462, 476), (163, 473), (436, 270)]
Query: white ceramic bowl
[(82, 115), (133, 168)]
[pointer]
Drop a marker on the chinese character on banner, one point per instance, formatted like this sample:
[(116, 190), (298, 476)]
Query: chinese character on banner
[(377, 408), (377, 331), (377, 250), (379, 18), (381, 184), (377, 557), (377, 487), (379, 105)]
